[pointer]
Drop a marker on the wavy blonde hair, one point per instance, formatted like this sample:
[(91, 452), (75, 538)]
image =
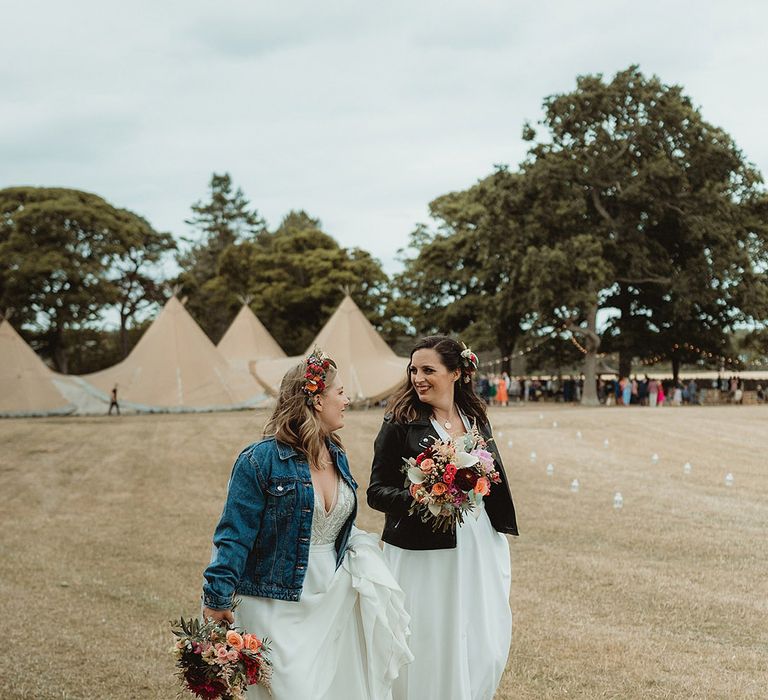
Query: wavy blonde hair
[(294, 420)]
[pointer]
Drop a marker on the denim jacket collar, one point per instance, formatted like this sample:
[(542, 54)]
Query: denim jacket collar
[(286, 451)]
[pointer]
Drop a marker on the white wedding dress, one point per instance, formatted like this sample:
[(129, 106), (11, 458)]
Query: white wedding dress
[(461, 622), (346, 639)]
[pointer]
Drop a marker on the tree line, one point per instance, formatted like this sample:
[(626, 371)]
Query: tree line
[(69, 257), (628, 203)]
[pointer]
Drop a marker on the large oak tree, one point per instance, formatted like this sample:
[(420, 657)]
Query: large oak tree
[(658, 212)]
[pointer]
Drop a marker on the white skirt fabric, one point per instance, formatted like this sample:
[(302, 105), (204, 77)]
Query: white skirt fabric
[(346, 639), (461, 622)]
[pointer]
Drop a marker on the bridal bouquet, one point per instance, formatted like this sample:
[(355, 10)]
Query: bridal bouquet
[(449, 479), (215, 661)]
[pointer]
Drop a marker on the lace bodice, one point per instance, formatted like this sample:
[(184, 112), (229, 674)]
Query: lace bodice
[(326, 526)]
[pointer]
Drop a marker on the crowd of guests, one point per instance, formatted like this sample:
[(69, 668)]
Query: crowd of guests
[(647, 392), (653, 392), (503, 389)]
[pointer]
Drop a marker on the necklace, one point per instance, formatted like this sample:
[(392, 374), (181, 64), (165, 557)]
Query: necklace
[(447, 424)]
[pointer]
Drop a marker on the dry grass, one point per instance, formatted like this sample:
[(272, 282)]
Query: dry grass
[(106, 527)]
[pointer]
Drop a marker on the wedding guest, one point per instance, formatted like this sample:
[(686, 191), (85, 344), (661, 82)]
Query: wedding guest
[(483, 386), (653, 392), (514, 389), (626, 390), (738, 393), (502, 395), (642, 391), (493, 389), (527, 386), (693, 392), (601, 390)]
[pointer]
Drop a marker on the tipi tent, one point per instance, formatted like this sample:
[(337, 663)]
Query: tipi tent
[(175, 367), (247, 340), (27, 386), (368, 368)]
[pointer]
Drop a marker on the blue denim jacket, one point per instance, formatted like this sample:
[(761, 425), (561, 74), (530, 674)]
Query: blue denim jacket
[(262, 539)]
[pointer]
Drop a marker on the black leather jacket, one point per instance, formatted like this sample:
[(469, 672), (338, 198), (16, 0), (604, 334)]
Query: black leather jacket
[(387, 491)]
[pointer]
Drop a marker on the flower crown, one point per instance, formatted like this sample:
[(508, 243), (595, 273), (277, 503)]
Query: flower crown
[(470, 362), (314, 377)]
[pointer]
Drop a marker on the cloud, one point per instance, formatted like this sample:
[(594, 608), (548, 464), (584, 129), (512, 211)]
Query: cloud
[(73, 139), (359, 113), (235, 29)]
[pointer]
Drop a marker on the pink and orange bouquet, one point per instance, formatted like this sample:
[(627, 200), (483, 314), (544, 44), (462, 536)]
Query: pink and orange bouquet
[(449, 479), (215, 661)]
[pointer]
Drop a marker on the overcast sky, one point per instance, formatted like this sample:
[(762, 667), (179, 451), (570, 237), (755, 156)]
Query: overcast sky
[(358, 112)]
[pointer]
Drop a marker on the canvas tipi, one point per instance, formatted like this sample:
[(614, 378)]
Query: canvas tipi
[(175, 367), (27, 386), (247, 340), (368, 368)]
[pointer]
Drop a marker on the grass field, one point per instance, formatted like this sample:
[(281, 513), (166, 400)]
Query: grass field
[(106, 527)]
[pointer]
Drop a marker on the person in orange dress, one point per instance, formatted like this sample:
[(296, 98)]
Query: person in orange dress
[(501, 392)]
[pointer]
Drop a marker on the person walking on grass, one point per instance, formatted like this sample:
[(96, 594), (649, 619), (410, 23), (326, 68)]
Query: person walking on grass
[(287, 548), (456, 583), (113, 401)]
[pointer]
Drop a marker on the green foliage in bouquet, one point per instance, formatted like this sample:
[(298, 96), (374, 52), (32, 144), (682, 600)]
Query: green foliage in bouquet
[(215, 661)]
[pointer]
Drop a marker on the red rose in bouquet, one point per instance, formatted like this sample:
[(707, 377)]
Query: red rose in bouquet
[(450, 478), (466, 479), (215, 661)]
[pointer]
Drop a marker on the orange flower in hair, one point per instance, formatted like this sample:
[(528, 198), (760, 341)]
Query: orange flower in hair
[(314, 377)]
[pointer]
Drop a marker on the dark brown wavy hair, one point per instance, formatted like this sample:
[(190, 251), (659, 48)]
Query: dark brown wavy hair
[(405, 405), (294, 420)]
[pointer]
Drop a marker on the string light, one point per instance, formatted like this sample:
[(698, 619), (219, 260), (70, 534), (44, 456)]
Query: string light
[(646, 361), (578, 345), (733, 362)]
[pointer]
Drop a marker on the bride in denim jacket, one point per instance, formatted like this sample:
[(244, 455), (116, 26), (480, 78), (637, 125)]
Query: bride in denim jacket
[(287, 548)]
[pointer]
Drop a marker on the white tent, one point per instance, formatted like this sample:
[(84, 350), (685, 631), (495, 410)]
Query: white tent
[(758, 375), (28, 387), (175, 367), (368, 368), (247, 340)]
